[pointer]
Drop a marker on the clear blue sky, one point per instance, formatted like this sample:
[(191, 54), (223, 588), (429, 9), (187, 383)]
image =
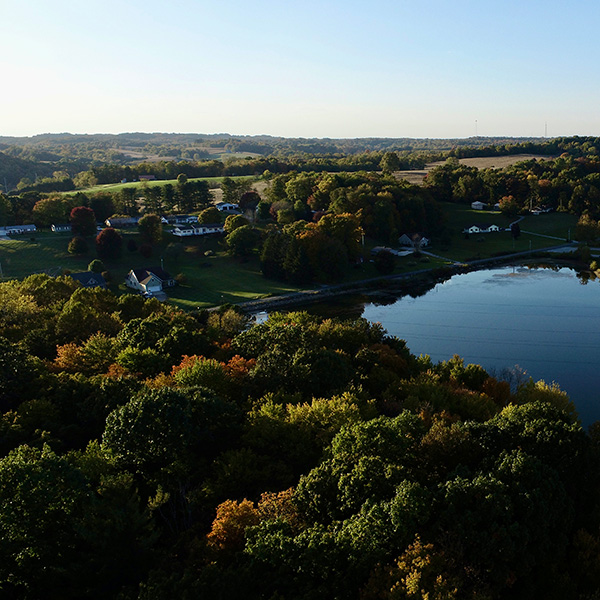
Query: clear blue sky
[(324, 68)]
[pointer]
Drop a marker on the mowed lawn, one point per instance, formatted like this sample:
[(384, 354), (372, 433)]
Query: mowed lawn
[(117, 187), (209, 280), (211, 277)]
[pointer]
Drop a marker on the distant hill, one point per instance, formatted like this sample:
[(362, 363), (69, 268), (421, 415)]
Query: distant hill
[(185, 145), (12, 170)]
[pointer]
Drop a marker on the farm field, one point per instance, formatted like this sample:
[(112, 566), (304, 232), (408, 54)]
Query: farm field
[(481, 162), (138, 156), (117, 187)]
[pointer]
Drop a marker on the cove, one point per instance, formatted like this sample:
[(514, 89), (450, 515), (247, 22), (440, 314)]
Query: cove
[(543, 321)]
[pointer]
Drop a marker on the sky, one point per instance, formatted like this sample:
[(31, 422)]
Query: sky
[(383, 68)]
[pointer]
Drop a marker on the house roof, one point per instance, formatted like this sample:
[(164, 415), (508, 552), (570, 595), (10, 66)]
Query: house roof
[(159, 272), (89, 279), (144, 275)]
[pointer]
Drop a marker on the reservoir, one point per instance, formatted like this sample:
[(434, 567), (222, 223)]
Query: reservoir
[(541, 321)]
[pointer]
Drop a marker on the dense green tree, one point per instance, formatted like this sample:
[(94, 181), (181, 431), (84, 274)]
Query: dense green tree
[(97, 266), (6, 210), (103, 205), (243, 240), (70, 528), (209, 215), (78, 245), (49, 211), (390, 162), (150, 227), (234, 221), (385, 262)]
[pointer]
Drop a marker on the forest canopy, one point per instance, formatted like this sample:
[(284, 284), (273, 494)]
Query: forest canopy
[(152, 453)]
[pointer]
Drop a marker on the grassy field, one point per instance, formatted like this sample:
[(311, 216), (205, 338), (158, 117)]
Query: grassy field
[(208, 280), (217, 278), (116, 187), (486, 245), (481, 162)]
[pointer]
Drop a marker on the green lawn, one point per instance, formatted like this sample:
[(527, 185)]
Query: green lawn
[(210, 280), (116, 187), (487, 245), (554, 224), (219, 278)]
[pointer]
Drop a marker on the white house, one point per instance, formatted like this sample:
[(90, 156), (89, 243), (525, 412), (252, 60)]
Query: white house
[(119, 222), (414, 240), (478, 205), (481, 229), (180, 219), (227, 207), (60, 228), (151, 280), (199, 229), (18, 229), (143, 281)]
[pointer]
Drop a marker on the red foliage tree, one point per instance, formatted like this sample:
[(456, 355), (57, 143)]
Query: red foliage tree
[(83, 221), (109, 243)]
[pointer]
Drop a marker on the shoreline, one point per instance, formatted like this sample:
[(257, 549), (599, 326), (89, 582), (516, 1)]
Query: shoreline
[(406, 283)]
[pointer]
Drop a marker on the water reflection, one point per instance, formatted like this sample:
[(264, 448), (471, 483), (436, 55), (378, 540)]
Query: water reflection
[(541, 319)]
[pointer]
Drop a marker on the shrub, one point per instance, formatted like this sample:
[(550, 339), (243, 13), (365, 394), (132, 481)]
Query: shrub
[(78, 245), (96, 266)]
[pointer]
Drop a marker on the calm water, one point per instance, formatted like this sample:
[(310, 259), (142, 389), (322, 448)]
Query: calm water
[(543, 321)]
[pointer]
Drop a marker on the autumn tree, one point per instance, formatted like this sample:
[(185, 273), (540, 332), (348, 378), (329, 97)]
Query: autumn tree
[(109, 244), (49, 211), (83, 221)]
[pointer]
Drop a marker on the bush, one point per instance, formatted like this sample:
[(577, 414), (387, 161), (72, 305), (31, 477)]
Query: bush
[(181, 278), (107, 276), (96, 266), (78, 245), (385, 262)]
